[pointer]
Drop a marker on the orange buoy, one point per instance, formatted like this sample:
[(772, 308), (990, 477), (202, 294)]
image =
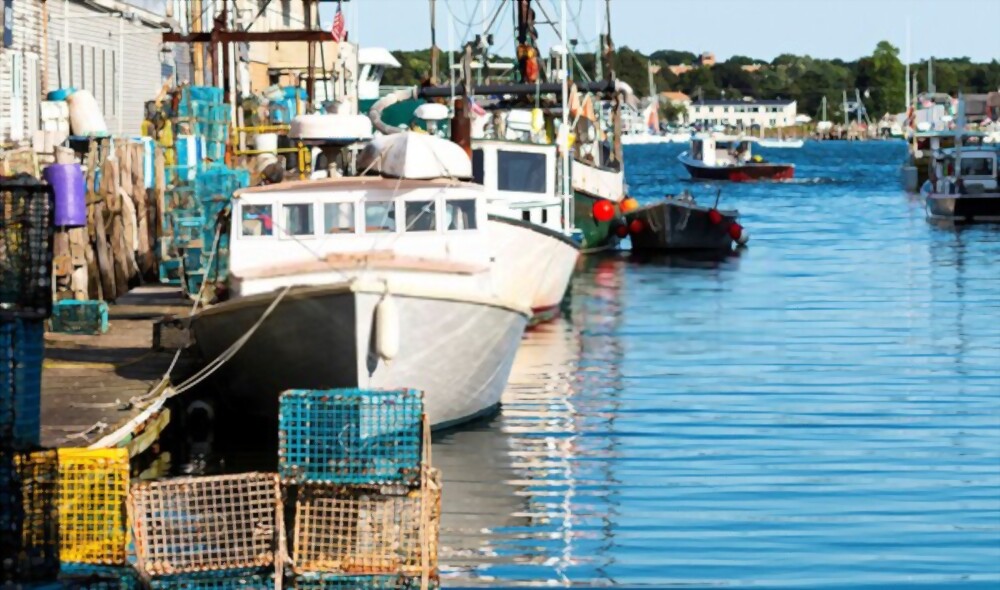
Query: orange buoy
[(628, 205), (603, 211)]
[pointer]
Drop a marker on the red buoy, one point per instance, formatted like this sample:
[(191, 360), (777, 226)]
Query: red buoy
[(714, 216), (621, 230), (604, 211), (735, 231), (636, 227)]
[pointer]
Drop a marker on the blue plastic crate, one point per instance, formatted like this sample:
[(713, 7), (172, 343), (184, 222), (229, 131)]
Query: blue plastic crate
[(187, 229), (170, 272), (240, 579), (80, 317), (22, 351), (98, 577), (350, 436), (342, 582)]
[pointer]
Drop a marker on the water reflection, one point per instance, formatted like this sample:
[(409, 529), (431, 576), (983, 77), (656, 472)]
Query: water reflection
[(529, 497), (821, 411)]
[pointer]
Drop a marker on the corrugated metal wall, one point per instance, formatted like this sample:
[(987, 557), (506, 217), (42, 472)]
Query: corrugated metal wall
[(89, 59), (19, 98)]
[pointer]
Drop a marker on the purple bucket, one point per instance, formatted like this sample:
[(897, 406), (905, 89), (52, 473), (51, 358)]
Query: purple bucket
[(71, 196)]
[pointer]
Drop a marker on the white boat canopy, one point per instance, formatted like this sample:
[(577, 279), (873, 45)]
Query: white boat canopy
[(414, 155)]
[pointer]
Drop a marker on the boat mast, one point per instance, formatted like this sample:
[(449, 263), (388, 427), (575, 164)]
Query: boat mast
[(434, 47), (930, 76), (906, 79), (564, 128)]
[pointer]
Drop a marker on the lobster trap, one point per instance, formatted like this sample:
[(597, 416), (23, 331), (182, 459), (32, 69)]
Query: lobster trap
[(26, 240), (366, 531), (29, 523), (199, 524), (22, 350), (350, 436), (82, 576), (240, 579), (342, 582), (93, 487)]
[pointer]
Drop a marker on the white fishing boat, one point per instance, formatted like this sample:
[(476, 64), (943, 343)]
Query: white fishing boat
[(964, 185), (530, 224), (372, 282)]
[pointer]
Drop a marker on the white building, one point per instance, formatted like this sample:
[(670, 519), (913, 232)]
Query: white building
[(744, 114)]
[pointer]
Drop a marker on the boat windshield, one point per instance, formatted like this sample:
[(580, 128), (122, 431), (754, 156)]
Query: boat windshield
[(521, 172), (978, 166)]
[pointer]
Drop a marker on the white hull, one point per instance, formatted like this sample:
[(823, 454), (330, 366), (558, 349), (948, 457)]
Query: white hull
[(644, 139), (598, 182), (781, 143), (532, 263), (458, 351)]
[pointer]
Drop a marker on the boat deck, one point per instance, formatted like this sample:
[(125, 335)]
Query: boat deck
[(97, 390)]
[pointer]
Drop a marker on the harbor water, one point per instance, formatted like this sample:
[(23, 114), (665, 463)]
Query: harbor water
[(820, 411)]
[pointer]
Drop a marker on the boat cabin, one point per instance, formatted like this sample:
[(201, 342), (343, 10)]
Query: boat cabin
[(927, 143), (968, 171), (721, 150), (309, 221), (521, 179)]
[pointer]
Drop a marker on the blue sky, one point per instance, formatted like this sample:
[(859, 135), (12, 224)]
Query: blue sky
[(847, 29)]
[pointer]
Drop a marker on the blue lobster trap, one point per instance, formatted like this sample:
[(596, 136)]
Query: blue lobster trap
[(342, 582), (84, 576), (239, 579), (351, 436), (22, 351), (80, 317)]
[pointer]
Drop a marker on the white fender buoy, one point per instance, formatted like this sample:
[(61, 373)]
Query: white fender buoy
[(387, 328), (744, 238)]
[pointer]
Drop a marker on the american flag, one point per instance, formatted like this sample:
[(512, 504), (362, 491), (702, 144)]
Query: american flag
[(339, 31)]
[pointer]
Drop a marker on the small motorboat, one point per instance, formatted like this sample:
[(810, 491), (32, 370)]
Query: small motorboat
[(678, 223), (964, 186), (714, 156)]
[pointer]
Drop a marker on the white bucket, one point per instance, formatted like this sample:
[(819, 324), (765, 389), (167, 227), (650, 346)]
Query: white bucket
[(85, 115), (266, 142)]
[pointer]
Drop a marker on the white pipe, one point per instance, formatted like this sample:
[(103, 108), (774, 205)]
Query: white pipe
[(120, 111), (65, 49)]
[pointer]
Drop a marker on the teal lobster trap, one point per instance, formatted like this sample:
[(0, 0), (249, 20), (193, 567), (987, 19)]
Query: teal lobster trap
[(351, 436)]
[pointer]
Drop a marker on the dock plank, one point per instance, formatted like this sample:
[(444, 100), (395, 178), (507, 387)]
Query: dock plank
[(90, 384)]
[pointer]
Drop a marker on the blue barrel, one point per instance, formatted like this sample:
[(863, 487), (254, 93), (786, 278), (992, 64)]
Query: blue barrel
[(70, 194)]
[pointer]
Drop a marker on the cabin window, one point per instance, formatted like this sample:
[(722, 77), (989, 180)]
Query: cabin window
[(521, 172), (976, 167), (257, 220), (338, 218), (420, 216), (380, 217), (478, 174), (460, 214), (298, 219)]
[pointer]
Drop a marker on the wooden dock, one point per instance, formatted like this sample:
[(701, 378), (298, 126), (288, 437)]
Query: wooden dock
[(108, 390)]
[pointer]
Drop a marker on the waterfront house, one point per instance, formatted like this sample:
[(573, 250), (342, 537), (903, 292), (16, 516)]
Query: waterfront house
[(744, 113), (112, 48), (21, 69)]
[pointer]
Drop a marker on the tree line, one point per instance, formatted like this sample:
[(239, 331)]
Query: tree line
[(877, 77)]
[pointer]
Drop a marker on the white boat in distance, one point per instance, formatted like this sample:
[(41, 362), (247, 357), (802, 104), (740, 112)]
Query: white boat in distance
[(775, 143), (366, 282)]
